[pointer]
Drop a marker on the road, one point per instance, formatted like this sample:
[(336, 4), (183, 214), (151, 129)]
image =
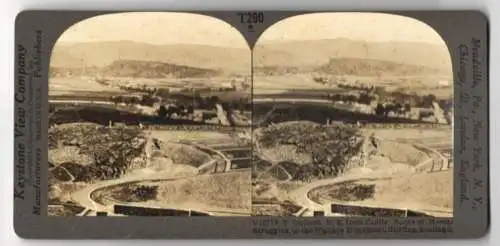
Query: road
[(300, 196), (84, 198)]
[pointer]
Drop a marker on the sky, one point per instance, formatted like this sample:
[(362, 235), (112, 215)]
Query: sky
[(182, 28), (372, 27), (155, 28)]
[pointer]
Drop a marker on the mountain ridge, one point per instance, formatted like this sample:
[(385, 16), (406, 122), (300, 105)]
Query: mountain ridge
[(305, 53)]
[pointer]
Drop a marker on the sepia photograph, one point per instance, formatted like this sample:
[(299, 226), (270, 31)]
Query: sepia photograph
[(150, 115), (352, 116), (172, 114)]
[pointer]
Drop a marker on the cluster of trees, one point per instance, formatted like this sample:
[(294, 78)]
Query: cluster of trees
[(362, 98), (190, 103), (420, 101), (113, 162), (344, 84), (353, 192), (168, 111), (395, 102), (146, 99), (382, 96), (139, 193), (321, 80), (331, 147), (112, 151), (198, 98), (275, 70), (368, 94), (101, 169), (395, 108), (356, 86), (166, 92), (182, 103)]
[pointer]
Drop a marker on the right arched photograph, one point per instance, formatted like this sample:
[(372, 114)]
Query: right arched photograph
[(352, 116)]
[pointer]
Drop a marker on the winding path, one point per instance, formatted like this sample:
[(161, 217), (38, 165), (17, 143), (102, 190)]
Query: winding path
[(300, 196), (84, 196)]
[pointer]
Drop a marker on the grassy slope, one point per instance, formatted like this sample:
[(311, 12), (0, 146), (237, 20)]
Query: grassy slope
[(223, 191), (422, 190)]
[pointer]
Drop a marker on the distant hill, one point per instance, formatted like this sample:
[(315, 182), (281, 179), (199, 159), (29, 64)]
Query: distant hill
[(369, 67), (100, 54), (151, 69), (318, 52), (275, 55), (141, 69), (280, 70), (353, 66)]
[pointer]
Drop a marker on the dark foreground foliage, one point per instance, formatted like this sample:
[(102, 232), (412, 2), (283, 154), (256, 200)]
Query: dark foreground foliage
[(112, 150), (137, 193), (331, 147)]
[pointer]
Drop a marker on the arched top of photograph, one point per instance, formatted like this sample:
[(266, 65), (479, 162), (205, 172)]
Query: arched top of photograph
[(352, 45), (157, 28), (148, 50), (200, 44)]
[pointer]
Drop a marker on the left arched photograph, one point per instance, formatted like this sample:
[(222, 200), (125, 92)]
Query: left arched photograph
[(150, 116)]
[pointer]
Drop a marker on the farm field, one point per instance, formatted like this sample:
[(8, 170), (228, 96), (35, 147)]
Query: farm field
[(417, 84), (67, 88), (261, 84), (172, 135), (65, 85), (211, 82)]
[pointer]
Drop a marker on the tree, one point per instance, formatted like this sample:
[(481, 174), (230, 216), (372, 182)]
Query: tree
[(365, 98), (427, 100), (215, 99), (181, 110), (162, 111), (380, 109), (190, 110), (389, 108), (398, 107), (407, 108), (147, 100), (331, 147)]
